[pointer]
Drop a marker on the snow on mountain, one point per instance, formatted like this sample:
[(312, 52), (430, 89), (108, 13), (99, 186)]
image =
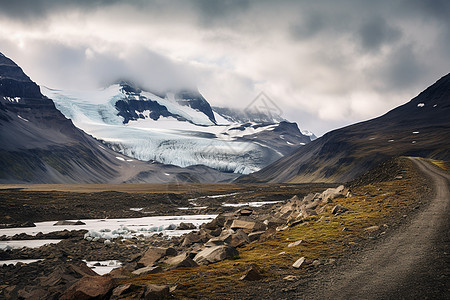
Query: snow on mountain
[(176, 128)]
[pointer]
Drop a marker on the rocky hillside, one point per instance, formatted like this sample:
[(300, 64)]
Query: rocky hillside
[(420, 127)]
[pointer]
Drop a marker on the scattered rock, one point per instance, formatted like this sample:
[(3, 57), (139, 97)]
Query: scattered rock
[(124, 289), (299, 262), (89, 287), (254, 236), (65, 222), (248, 226), (155, 291), (153, 254), (293, 244), (372, 228), (245, 212), (290, 278), (186, 226), (251, 274), (147, 270), (339, 209), (215, 254)]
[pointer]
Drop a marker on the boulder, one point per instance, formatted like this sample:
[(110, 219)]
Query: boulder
[(248, 226), (156, 292), (64, 222), (201, 236), (332, 193), (186, 226), (298, 263), (124, 289), (181, 261), (153, 254), (296, 243), (251, 274), (307, 212), (254, 236), (147, 270), (245, 211), (90, 287), (215, 254), (339, 209)]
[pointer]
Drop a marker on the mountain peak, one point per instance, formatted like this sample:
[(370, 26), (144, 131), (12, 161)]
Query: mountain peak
[(14, 82)]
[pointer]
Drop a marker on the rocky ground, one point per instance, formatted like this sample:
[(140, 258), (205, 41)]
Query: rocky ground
[(245, 253)]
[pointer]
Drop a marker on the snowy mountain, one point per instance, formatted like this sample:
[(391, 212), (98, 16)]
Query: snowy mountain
[(39, 145), (178, 128)]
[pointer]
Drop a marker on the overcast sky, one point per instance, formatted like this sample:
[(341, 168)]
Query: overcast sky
[(326, 64)]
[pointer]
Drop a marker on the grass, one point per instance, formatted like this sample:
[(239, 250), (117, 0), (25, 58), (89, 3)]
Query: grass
[(444, 165), (324, 237)]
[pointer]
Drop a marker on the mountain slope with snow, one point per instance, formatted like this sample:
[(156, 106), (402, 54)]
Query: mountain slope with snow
[(420, 127), (176, 128)]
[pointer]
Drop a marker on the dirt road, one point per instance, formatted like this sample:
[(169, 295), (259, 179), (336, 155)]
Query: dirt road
[(412, 264)]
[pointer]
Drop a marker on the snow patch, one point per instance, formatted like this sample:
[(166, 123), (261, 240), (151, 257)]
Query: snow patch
[(136, 209), (415, 132), (390, 141), (102, 267), (120, 158), (22, 118), (251, 204), (5, 245), (421, 105)]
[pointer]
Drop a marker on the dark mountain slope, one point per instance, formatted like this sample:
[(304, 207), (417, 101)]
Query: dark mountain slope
[(420, 127), (39, 145)]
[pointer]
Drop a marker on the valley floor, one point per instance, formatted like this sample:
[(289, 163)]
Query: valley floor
[(392, 243)]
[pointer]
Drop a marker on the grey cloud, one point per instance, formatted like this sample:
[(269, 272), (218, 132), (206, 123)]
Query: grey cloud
[(311, 25), (401, 70), (376, 32)]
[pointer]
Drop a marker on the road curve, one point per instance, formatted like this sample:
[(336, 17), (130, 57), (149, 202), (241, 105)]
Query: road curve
[(412, 264)]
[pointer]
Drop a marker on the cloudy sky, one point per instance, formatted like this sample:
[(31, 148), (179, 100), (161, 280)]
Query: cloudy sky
[(326, 64)]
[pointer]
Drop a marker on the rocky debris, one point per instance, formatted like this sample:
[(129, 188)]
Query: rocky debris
[(156, 292), (186, 226), (183, 260), (248, 226), (252, 274), (290, 278), (255, 236), (215, 254), (153, 254), (16, 225), (298, 263), (90, 287), (245, 211), (339, 209), (372, 228), (296, 243), (147, 270), (123, 290), (65, 222)]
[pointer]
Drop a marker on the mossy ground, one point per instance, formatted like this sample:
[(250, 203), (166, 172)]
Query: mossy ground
[(324, 237)]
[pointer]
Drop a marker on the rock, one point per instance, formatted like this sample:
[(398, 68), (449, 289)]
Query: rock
[(372, 228), (153, 254), (195, 237), (251, 274), (147, 270), (27, 224), (155, 291), (248, 226), (254, 236), (245, 212), (124, 289), (339, 209), (237, 239), (293, 244), (299, 262), (215, 254), (218, 222), (307, 212), (186, 226), (332, 193), (90, 287), (290, 278), (183, 260), (65, 222)]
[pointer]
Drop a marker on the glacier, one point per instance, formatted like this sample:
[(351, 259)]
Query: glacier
[(184, 136)]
